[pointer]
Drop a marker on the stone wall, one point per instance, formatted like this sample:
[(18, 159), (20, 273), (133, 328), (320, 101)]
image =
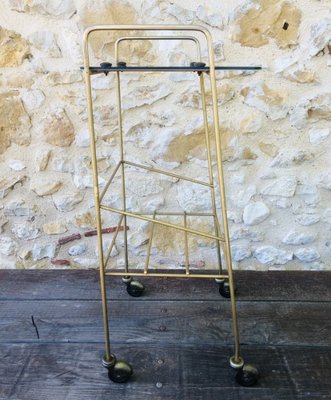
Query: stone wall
[(275, 130)]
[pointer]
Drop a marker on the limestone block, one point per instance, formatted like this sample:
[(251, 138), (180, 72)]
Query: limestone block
[(283, 187), (325, 181), (247, 233), (16, 126), (106, 116), (54, 8), (161, 118), (192, 96), (240, 252), (115, 12), (3, 222), (83, 262), (193, 197), (281, 64), (241, 198), (86, 220), (25, 254), (209, 17), (82, 138), (7, 184), (25, 232), (314, 109), (13, 48), (143, 186), (183, 15), (320, 35), (8, 246), (62, 164), (19, 208), (299, 114), (249, 122), (33, 100), (255, 213), (154, 203), (44, 186), (42, 158), (40, 251), (63, 78), (16, 165), (291, 156), (320, 107), (219, 51), (77, 249), (46, 42), (272, 256), (296, 237), (58, 129), (318, 135), (17, 80), (272, 102), (86, 181), (300, 74), (102, 82), (105, 245), (146, 95), (269, 149), (307, 254), (72, 48), (67, 202), (327, 216), (257, 22), (307, 219), (54, 228)]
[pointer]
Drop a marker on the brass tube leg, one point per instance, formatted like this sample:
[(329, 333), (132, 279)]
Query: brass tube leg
[(108, 359), (210, 168), (120, 128), (187, 262), (236, 360)]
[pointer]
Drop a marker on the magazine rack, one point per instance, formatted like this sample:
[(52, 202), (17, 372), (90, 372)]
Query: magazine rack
[(120, 371)]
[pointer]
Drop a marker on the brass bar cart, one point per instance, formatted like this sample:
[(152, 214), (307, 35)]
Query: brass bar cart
[(120, 371)]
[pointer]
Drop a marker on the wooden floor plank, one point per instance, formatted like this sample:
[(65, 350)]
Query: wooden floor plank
[(272, 323), (82, 284), (74, 372), (178, 337)]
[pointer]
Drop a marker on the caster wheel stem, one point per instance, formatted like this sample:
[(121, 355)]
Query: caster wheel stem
[(109, 363), (236, 363)]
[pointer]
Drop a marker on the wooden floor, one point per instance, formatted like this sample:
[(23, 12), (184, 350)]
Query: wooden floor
[(177, 337)]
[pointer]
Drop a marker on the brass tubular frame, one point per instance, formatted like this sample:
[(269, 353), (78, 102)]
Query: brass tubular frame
[(120, 128), (164, 223), (186, 38), (113, 241), (110, 181), (210, 167), (236, 359), (167, 274), (149, 247), (168, 173), (187, 261)]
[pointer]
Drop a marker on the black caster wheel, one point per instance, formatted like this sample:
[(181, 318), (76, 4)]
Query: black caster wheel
[(248, 375), (135, 288), (225, 290), (120, 372)]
